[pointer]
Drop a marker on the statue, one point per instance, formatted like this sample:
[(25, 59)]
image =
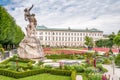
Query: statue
[(30, 46), (27, 13), (31, 27)]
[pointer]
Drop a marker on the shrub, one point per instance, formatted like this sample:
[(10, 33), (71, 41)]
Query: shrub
[(89, 70), (29, 64), (67, 67), (101, 68), (106, 61), (40, 63), (4, 66), (79, 68), (117, 60), (36, 67), (48, 66), (80, 57), (95, 77)]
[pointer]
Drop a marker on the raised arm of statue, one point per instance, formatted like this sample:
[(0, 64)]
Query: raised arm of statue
[(30, 7)]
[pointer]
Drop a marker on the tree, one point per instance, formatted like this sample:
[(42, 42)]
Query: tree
[(117, 40), (110, 41), (106, 42), (10, 32), (99, 43), (117, 60), (89, 41)]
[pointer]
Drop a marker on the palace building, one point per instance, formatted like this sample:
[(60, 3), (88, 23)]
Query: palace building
[(56, 37)]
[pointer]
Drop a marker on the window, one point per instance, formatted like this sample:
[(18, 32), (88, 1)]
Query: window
[(48, 33), (62, 38), (53, 33), (71, 38), (65, 38), (46, 38), (59, 33), (78, 39), (81, 34), (68, 33), (41, 38), (56, 38), (40, 33), (59, 38), (56, 33), (95, 34), (65, 33), (45, 32), (53, 38), (75, 34), (68, 38), (71, 33)]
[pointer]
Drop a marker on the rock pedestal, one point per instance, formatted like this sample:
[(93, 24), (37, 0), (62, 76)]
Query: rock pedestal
[(30, 48)]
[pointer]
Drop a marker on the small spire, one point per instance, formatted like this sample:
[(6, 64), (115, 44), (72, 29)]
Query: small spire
[(86, 28), (69, 28)]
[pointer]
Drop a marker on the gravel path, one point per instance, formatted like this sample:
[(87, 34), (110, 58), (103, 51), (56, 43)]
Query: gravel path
[(116, 75)]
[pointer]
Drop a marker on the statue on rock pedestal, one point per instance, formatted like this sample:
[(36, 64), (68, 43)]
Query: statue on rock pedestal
[(30, 46)]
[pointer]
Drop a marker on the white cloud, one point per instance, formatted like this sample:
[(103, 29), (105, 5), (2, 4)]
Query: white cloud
[(101, 14)]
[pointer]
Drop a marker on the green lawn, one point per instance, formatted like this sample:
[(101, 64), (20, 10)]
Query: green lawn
[(39, 77)]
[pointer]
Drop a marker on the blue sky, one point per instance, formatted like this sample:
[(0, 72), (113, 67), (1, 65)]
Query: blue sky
[(78, 14)]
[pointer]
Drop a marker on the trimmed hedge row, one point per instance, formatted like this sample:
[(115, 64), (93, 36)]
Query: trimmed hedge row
[(58, 72), (20, 74), (34, 72), (22, 60), (19, 60), (60, 56)]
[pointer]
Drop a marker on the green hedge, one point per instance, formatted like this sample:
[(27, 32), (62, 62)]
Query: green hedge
[(58, 72), (22, 60), (34, 72), (60, 56)]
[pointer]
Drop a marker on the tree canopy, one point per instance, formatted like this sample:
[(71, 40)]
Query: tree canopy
[(117, 39), (89, 41), (10, 32)]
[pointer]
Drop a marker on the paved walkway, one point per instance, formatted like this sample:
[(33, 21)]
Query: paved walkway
[(116, 75), (78, 77)]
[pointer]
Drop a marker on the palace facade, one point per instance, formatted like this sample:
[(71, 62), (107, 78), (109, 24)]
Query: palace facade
[(56, 37)]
